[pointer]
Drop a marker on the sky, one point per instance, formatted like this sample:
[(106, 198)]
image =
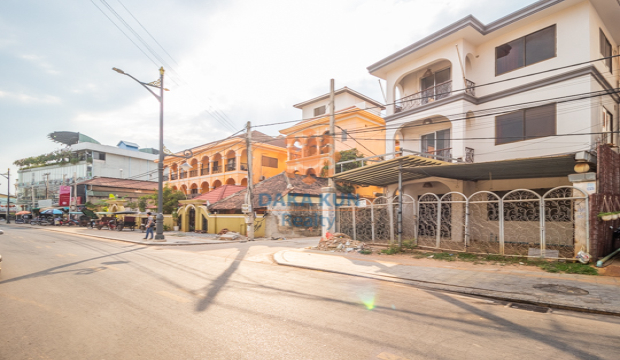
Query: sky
[(227, 62)]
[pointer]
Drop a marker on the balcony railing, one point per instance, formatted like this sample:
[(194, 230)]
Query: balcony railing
[(430, 95), (193, 173), (183, 175), (231, 167), (244, 167), (173, 176), (441, 154), (216, 170), (204, 171)]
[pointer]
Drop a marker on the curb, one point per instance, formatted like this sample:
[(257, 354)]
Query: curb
[(163, 243), (427, 285)]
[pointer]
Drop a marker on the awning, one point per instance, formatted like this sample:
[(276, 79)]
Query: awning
[(386, 172), (416, 167), (541, 167)]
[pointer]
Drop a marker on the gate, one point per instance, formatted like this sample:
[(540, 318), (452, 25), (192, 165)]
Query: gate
[(522, 222), (428, 213), (563, 206), (483, 229), (452, 221)]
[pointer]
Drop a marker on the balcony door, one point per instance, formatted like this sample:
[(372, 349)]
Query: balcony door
[(437, 143), (433, 85)]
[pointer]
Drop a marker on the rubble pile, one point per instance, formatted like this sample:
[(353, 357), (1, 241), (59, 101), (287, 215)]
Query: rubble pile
[(339, 242)]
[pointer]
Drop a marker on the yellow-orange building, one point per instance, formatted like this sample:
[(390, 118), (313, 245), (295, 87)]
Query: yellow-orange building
[(359, 125), (226, 162)]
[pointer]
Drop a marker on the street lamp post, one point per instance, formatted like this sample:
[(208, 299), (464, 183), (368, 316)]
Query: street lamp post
[(158, 84), (8, 193)]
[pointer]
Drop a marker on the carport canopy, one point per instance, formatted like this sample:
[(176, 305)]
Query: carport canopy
[(413, 167)]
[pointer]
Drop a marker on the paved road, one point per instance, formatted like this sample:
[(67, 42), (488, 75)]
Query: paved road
[(71, 297)]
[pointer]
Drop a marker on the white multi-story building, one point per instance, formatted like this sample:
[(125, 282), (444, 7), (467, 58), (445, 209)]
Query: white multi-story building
[(518, 87), (91, 159)]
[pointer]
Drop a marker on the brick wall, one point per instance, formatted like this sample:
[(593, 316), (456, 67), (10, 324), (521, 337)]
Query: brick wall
[(608, 177)]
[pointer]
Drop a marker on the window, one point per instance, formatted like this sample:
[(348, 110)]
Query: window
[(344, 135), (320, 110), (525, 124), (98, 155), (525, 51), (270, 162), (606, 50), (608, 120), (435, 86), (437, 143)]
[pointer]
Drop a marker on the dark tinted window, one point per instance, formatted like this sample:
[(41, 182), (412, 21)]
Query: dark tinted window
[(509, 56), (320, 110), (606, 49), (525, 51), (540, 46), (526, 124)]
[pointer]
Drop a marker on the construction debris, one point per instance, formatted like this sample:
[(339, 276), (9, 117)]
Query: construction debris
[(228, 235), (339, 242)]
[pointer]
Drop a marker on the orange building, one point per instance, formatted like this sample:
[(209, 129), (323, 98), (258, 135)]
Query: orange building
[(226, 163), (358, 122)]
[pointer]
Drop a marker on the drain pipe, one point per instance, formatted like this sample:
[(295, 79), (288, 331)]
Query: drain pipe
[(606, 258)]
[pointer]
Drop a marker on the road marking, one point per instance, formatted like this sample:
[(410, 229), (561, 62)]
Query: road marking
[(173, 297), (388, 356)]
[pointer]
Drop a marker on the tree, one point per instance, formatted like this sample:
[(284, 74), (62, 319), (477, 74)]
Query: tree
[(171, 200), (346, 155)]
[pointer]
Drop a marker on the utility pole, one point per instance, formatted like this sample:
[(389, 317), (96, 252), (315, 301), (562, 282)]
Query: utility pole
[(75, 190), (250, 211), (328, 194), (32, 195), (47, 177), (8, 194)]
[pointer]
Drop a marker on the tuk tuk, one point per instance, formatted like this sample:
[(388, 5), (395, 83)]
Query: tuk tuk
[(126, 221)]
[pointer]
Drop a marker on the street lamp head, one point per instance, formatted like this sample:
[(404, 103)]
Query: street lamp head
[(186, 166), (118, 71)]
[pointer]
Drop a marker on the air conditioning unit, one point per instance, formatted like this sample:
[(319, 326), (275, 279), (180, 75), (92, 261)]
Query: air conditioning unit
[(261, 178)]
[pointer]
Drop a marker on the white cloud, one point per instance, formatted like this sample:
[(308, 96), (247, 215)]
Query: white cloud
[(41, 62), (29, 99)]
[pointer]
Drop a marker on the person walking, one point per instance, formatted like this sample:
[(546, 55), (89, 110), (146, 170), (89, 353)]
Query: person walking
[(150, 226)]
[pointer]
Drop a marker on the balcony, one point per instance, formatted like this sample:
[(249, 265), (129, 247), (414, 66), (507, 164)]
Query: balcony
[(193, 173), (231, 166), (174, 176), (183, 175), (204, 171), (244, 167), (216, 169), (431, 94)]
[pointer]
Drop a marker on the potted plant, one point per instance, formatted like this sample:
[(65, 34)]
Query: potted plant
[(175, 219), (606, 216)]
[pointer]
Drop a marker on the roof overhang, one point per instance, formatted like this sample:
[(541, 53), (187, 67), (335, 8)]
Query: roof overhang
[(338, 92), (414, 167), (386, 172)]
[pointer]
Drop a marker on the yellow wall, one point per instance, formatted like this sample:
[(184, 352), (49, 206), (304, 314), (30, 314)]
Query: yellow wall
[(220, 151)]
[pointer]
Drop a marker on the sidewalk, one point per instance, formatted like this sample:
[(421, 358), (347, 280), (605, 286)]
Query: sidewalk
[(173, 238), (598, 294)]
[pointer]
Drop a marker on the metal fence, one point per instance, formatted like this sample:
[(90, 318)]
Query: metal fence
[(521, 222)]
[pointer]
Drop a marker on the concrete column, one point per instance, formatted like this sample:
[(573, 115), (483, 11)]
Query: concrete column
[(238, 164), (328, 218), (587, 183)]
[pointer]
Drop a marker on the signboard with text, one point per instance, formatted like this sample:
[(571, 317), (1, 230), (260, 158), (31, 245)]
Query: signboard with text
[(64, 196)]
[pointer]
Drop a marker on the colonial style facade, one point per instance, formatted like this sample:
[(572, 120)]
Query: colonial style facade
[(308, 142), (226, 163)]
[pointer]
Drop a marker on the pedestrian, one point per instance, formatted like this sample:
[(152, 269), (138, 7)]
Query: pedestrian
[(150, 226)]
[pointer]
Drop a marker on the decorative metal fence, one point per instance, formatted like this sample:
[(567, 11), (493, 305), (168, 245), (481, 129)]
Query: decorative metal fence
[(522, 222)]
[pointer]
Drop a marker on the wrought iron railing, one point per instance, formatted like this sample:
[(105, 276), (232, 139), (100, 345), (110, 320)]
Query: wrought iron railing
[(216, 169), (174, 176), (231, 166), (204, 171), (183, 175), (470, 87), (193, 173), (430, 95), (469, 155), (440, 154), (244, 166)]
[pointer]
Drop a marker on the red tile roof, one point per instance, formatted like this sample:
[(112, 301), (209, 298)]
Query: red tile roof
[(121, 183), (220, 193)]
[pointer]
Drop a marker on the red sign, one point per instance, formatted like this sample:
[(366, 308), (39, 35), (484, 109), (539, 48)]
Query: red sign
[(64, 196)]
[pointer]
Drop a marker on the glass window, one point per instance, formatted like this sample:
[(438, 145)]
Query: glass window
[(270, 162), (606, 50), (344, 135), (525, 51), (540, 46), (320, 110), (525, 124)]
